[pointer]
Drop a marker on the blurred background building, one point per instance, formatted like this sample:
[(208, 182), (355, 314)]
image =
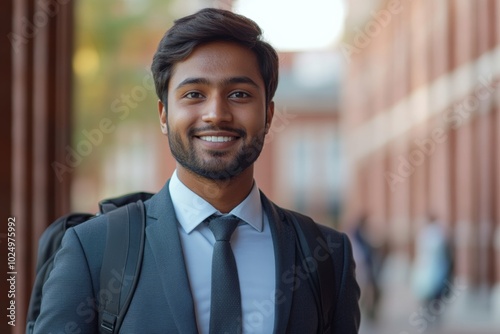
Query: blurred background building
[(420, 116), (386, 127)]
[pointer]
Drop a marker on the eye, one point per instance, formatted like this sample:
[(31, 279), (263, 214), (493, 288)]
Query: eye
[(239, 95), (193, 95)]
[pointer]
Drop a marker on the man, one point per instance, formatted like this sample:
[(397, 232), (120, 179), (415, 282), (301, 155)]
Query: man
[(215, 79)]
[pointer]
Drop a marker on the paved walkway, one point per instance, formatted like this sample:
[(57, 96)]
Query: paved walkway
[(464, 311)]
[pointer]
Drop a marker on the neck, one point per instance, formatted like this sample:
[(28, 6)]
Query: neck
[(224, 195)]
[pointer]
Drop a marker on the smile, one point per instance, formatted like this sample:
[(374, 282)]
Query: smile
[(217, 139)]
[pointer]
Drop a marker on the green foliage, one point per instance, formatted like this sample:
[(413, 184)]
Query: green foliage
[(114, 45)]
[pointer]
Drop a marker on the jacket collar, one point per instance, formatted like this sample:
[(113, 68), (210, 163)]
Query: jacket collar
[(284, 249), (163, 237)]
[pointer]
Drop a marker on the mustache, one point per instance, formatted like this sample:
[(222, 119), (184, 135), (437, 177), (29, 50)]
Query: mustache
[(192, 132)]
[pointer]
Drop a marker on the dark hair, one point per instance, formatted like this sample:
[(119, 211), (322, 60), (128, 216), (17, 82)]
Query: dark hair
[(209, 25)]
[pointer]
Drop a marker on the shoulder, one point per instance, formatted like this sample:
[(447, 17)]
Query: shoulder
[(85, 243), (308, 223), (338, 247), (76, 263), (92, 233), (329, 232), (93, 225), (335, 242)]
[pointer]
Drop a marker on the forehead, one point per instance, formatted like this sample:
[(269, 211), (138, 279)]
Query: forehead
[(217, 61)]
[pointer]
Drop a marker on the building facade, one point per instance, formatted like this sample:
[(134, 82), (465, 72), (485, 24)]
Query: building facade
[(420, 112)]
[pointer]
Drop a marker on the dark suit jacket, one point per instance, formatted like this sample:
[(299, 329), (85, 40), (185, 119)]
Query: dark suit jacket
[(162, 302)]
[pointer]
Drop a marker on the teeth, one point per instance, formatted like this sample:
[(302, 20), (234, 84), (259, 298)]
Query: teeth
[(219, 139)]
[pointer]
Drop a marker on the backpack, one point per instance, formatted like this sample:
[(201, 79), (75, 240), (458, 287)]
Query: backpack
[(127, 222)]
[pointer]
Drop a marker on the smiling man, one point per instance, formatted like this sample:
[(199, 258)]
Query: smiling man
[(219, 257), (216, 117)]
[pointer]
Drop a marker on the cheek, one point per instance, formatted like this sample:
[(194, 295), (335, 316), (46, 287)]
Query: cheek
[(254, 124), (178, 121)]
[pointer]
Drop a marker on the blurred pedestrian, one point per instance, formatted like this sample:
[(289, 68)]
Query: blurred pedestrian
[(433, 265), (369, 257)]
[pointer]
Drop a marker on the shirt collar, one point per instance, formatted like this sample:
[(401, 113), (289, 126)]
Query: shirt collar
[(191, 210)]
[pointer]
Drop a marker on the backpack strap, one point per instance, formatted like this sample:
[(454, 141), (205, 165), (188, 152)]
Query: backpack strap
[(121, 264), (309, 238)]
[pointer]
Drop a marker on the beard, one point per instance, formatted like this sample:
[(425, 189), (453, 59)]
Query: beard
[(216, 168)]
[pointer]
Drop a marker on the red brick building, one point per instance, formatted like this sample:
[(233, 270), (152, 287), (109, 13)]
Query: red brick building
[(421, 115)]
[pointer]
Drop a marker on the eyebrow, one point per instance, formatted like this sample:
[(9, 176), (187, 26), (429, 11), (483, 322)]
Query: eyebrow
[(241, 79), (225, 82)]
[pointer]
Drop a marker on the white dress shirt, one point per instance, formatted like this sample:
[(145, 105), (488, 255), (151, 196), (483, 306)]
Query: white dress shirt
[(253, 250)]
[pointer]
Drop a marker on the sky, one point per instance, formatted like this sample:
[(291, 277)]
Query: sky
[(297, 25)]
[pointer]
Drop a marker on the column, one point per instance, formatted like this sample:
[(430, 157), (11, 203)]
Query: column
[(494, 14), (484, 149), (5, 166), (466, 225), (438, 194), (38, 112)]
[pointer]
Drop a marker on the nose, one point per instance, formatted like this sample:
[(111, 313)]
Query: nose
[(217, 111)]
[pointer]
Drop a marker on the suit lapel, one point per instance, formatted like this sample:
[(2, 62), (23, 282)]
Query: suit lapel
[(284, 251), (162, 235)]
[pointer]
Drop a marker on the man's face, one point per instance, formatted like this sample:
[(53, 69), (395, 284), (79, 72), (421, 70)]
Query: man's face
[(216, 115)]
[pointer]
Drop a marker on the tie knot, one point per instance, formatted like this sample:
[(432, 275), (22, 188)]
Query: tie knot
[(223, 226)]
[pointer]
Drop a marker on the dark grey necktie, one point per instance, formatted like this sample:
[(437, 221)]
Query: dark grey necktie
[(225, 305)]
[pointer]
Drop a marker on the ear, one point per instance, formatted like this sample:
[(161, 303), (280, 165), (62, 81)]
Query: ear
[(269, 116), (163, 117)]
